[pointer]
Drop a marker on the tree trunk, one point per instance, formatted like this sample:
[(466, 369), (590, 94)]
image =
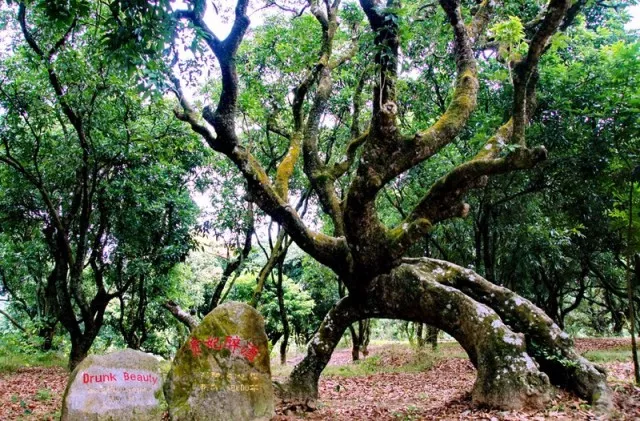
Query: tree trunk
[(432, 337), (49, 314), (79, 350), (474, 312), (303, 380), (632, 320), (365, 336), (487, 255), (355, 344), (274, 337), (47, 333), (419, 333), (286, 331)]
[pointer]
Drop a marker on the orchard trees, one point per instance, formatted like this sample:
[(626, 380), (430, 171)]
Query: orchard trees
[(94, 203), (346, 101)]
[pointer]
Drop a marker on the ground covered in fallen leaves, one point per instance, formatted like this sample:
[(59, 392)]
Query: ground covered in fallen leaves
[(33, 393), (444, 391), (393, 383)]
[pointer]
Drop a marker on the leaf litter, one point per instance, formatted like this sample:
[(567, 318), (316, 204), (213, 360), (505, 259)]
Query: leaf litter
[(441, 393)]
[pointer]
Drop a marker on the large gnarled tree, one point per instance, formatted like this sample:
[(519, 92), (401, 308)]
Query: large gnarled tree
[(517, 350)]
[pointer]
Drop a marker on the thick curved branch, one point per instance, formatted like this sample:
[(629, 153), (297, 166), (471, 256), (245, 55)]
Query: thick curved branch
[(327, 250), (481, 19), (428, 142), (314, 168), (182, 316), (340, 168), (348, 55), (286, 167), (548, 344), (444, 198), (525, 69)]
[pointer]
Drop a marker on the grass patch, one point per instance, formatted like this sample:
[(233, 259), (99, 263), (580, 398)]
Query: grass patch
[(11, 362), (451, 350), (368, 366), (279, 370), (389, 357), (622, 354), (410, 362), (43, 395), (411, 413)]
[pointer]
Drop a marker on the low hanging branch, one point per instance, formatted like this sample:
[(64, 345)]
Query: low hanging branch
[(13, 321), (181, 315)]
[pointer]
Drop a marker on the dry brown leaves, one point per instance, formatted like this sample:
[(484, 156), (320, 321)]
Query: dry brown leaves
[(442, 393), (600, 344), (32, 393)]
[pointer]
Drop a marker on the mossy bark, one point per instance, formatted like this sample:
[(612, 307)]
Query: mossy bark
[(214, 383), (546, 342), (513, 344), (508, 377), (303, 381)]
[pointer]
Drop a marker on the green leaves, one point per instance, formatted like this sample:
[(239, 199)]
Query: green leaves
[(510, 35), (352, 13), (510, 32)]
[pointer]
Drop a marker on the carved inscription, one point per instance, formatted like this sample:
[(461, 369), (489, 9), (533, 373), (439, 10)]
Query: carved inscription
[(235, 345)]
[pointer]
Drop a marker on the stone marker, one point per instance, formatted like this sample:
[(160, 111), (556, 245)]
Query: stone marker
[(222, 372), (124, 385)]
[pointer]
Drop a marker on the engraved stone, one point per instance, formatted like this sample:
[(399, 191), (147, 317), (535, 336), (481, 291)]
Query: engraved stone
[(124, 385), (222, 371)]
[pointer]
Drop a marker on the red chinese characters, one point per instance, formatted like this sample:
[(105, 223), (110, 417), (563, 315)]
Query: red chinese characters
[(232, 343), (235, 345), (213, 343), (194, 344), (250, 351)]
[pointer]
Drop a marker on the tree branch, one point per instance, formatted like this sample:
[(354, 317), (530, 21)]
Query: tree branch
[(525, 69), (181, 315), (328, 250), (12, 320)]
